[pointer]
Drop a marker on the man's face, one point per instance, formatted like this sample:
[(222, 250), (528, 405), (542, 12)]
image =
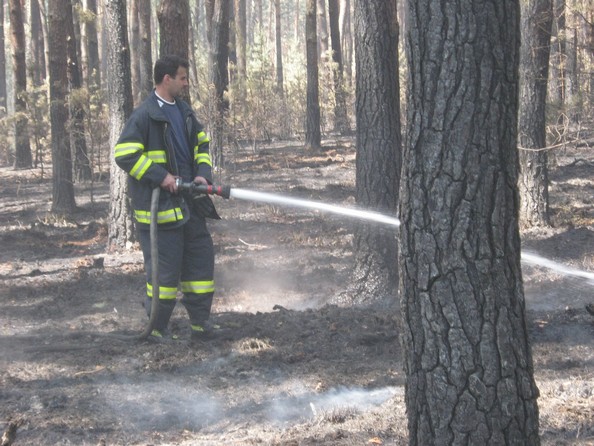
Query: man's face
[(177, 84)]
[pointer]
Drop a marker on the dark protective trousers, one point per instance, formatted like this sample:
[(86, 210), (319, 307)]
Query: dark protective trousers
[(186, 260)]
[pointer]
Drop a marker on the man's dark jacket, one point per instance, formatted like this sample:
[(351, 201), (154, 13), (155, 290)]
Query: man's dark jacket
[(145, 150)]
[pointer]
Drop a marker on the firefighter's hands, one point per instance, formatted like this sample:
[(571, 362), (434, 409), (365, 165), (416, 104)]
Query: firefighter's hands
[(200, 180), (169, 184)]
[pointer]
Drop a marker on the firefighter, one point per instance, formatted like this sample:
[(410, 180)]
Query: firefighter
[(161, 142)]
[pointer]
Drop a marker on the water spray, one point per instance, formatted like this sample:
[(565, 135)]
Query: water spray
[(249, 195)]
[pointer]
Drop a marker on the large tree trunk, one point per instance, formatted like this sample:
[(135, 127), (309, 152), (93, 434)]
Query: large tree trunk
[(3, 102), (63, 189), (313, 136), (468, 363), (537, 17), (379, 145), (22, 150), (174, 19), (119, 98), (341, 119)]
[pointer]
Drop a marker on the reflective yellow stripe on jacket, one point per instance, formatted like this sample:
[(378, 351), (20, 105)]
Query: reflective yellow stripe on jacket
[(202, 158), (167, 216), (198, 287), (126, 148)]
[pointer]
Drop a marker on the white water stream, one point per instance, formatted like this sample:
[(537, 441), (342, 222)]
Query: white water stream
[(249, 195), (527, 257)]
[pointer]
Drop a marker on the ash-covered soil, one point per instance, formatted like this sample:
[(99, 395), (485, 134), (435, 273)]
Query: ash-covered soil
[(289, 367)]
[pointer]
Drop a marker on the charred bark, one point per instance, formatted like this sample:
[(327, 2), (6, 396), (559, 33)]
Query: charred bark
[(468, 363)]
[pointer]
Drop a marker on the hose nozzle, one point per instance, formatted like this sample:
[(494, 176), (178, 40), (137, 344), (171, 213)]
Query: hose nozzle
[(204, 189)]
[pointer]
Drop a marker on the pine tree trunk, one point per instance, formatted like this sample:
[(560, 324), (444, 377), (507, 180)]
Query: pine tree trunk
[(82, 163), (135, 48), (537, 18), (219, 50), (322, 30), (119, 98), (341, 119), (63, 188), (22, 148), (3, 102), (145, 49), (90, 46), (279, 49), (174, 19), (468, 363), (379, 145), (346, 40), (313, 136), (37, 45)]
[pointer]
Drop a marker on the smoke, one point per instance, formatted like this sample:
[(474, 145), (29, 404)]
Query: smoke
[(156, 405), (312, 405), (161, 404)]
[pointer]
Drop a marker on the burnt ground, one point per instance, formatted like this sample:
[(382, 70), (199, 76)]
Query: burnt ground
[(291, 368)]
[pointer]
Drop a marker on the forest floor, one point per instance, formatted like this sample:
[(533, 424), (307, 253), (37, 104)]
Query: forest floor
[(290, 368)]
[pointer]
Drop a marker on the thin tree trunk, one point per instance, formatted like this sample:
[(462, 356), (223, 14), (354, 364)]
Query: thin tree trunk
[(22, 148), (219, 75), (119, 98), (82, 163), (145, 50), (3, 101), (90, 45), (537, 17), (313, 136), (556, 76), (133, 20), (341, 120), (37, 45), (279, 49), (468, 362), (60, 22), (346, 40), (322, 30)]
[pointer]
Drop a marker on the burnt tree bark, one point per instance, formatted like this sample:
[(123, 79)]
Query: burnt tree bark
[(22, 148), (537, 18), (379, 147), (313, 134), (63, 188), (468, 363), (119, 98)]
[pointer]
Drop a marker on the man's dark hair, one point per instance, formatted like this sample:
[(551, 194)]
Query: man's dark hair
[(168, 65)]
